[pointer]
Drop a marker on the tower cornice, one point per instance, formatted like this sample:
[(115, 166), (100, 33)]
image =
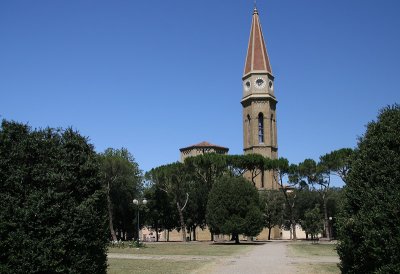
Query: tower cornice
[(258, 97), (258, 72)]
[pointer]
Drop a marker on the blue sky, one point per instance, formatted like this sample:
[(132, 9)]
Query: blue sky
[(155, 76)]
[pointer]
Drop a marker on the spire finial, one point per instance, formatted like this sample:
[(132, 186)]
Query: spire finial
[(255, 11)]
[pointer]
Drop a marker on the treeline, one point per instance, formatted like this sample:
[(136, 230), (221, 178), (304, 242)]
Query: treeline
[(178, 192)]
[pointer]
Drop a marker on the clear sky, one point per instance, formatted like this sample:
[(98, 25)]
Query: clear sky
[(155, 76)]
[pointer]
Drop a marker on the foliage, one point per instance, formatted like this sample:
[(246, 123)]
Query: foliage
[(281, 169), (369, 229), (318, 179), (137, 244), (337, 162), (254, 164), (306, 200), (173, 180), (121, 178), (203, 171), (272, 203), (312, 223), (160, 213), (234, 207), (52, 207)]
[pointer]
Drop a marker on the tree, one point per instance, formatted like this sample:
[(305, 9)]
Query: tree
[(160, 211), (281, 169), (369, 228), (121, 178), (234, 208), (314, 174), (203, 170), (173, 179), (306, 199), (312, 223), (252, 163), (272, 203), (337, 162), (53, 216)]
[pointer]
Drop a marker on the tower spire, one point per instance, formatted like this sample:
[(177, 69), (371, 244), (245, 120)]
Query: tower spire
[(257, 59)]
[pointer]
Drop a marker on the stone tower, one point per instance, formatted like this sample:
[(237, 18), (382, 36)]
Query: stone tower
[(259, 103)]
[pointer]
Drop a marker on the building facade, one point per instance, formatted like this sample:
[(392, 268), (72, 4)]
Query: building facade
[(201, 148)]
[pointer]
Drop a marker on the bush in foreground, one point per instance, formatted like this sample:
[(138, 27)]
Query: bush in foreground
[(369, 230), (52, 209)]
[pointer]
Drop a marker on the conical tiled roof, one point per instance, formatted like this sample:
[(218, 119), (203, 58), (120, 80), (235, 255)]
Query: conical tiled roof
[(257, 57), (204, 144)]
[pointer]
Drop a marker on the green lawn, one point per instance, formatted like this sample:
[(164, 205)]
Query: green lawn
[(191, 248), (316, 252), (326, 268), (307, 249), (122, 266), (171, 265)]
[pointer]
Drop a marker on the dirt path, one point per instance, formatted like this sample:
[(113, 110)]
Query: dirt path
[(271, 258)]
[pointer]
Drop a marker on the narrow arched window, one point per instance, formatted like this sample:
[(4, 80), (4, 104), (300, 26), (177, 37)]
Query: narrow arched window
[(272, 132), (248, 130), (260, 128)]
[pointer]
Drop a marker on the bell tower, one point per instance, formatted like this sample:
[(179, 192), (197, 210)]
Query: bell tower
[(259, 103)]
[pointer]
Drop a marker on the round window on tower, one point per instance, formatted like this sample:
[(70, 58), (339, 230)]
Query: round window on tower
[(247, 85), (260, 83), (271, 86)]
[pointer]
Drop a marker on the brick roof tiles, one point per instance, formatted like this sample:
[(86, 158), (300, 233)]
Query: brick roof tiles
[(257, 59)]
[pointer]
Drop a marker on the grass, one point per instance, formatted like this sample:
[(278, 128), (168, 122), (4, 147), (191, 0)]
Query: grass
[(178, 264), (302, 249), (122, 266), (326, 268), (192, 248), (315, 252)]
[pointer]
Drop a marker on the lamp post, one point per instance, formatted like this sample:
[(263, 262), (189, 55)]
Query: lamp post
[(138, 202)]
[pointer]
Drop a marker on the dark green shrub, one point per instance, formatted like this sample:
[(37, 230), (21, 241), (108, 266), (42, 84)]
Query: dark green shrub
[(52, 209), (369, 229)]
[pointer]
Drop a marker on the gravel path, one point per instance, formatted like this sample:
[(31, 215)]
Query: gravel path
[(268, 258), (271, 258)]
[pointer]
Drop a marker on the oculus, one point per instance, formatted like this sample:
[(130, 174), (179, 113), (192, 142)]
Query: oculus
[(260, 83), (247, 85)]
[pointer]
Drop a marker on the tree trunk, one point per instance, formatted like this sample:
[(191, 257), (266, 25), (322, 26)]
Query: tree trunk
[(294, 230), (110, 215), (235, 237), (269, 233), (194, 233), (182, 223), (326, 223)]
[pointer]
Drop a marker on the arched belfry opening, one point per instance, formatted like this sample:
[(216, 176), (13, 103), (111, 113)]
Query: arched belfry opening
[(248, 128), (260, 128)]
